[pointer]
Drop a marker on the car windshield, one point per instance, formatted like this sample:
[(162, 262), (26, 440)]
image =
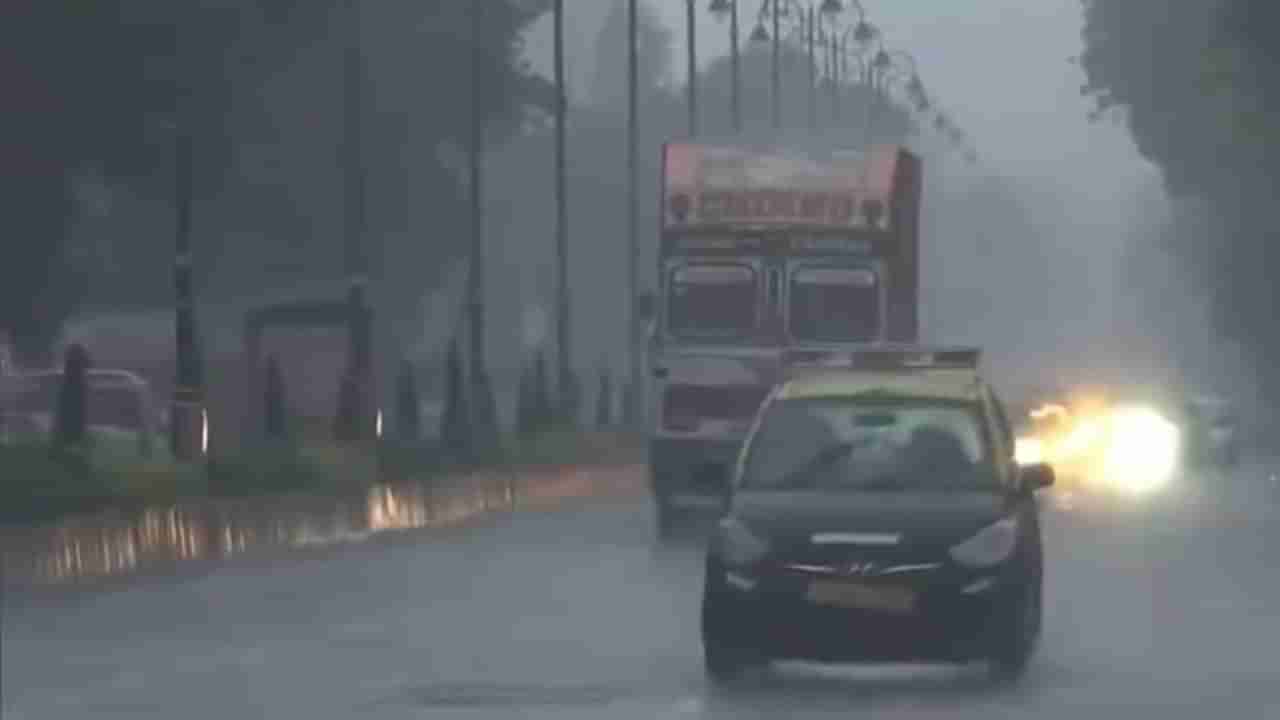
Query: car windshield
[(712, 300), (835, 304), (858, 445)]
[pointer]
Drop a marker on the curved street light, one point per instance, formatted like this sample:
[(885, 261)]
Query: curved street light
[(906, 66), (861, 33), (806, 20)]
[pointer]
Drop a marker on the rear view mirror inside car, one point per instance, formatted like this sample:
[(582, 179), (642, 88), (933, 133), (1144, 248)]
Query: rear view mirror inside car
[(875, 420)]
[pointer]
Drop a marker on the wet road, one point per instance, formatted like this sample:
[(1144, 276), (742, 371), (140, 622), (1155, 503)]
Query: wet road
[(1168, 612)]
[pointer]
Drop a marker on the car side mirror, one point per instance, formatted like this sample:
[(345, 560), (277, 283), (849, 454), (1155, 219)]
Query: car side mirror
[(1035, 477)]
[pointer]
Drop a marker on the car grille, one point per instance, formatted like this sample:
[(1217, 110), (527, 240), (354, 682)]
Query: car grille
[(861, 569), (816, 560)]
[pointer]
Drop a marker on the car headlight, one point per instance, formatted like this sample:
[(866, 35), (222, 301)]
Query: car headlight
[(739, 547), (991, 546)]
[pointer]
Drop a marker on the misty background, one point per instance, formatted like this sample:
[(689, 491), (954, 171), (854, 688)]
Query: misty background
[(1054, 251)]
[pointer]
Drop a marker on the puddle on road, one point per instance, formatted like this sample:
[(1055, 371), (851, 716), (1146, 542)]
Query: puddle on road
[(118, 543)]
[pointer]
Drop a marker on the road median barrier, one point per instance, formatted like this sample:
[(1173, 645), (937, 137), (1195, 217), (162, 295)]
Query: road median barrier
[(202, 531)]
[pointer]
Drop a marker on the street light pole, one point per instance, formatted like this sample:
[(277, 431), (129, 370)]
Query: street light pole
[(359, 361), (735, 66), (833, 75), (692, 70), (776, 78), (566, 383), (875, 68), (187, 415), (838, 78), (811, 30), (483, 412), (633, 232)]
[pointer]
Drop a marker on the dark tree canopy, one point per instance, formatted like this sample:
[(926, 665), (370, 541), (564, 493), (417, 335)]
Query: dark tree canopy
[(97, 85), (1199, 84)]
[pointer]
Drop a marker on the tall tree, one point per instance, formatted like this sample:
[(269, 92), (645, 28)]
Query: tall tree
[(609, 84), (1198, 85), (91, 85)]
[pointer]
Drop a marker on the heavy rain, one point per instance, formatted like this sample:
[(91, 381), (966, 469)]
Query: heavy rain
[(571, 358)]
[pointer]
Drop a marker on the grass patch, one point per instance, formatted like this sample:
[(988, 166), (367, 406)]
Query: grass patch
[(569, 446), (40, 483)]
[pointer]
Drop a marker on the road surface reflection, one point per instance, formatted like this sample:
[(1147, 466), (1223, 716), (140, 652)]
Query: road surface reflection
[(159, 538)]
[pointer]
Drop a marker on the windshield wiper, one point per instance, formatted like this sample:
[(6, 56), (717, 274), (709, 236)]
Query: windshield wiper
[(821, 459), (885, 482)]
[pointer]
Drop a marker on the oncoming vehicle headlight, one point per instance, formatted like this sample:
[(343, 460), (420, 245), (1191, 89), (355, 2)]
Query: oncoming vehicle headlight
[(991, 546), (739, 547), (1029, 450), (1143, 450)]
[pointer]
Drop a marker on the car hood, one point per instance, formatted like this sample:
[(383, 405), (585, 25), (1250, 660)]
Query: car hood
[(916, 517)]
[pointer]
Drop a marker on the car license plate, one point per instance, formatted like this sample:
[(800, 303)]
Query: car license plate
[(862, 597)]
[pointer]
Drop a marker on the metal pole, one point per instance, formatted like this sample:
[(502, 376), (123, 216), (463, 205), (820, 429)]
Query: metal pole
[(692, 70), (565, 354), (837, 75), (776, 79), (735, 67), (843, 61), (633, 230), (833, 75), (475, 293), (871, 98), (813, 72), (358, 347), (188, 396)]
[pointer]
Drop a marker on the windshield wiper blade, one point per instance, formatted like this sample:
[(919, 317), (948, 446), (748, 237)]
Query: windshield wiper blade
[(885, 482), (820, 460)]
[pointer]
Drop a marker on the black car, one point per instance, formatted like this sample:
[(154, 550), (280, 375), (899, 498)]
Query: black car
[(877, 517)]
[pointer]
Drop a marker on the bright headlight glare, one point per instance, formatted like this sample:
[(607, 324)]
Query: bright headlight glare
[(740, 547), (1029, 451), (991, 546), (1143, 452)]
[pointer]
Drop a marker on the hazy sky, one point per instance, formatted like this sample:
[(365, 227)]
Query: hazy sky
[(1002, 68), (1005, 70)]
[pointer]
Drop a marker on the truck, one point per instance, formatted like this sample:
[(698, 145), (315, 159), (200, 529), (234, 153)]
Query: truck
[(765, 251)]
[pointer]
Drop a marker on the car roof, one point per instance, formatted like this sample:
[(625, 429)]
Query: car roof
[(948, 384)]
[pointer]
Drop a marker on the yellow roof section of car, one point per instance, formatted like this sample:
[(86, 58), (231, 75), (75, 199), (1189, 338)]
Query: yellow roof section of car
[(949, 384)]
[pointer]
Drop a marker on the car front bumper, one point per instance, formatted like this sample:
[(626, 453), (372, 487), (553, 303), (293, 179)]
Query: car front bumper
[(958, 616)]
